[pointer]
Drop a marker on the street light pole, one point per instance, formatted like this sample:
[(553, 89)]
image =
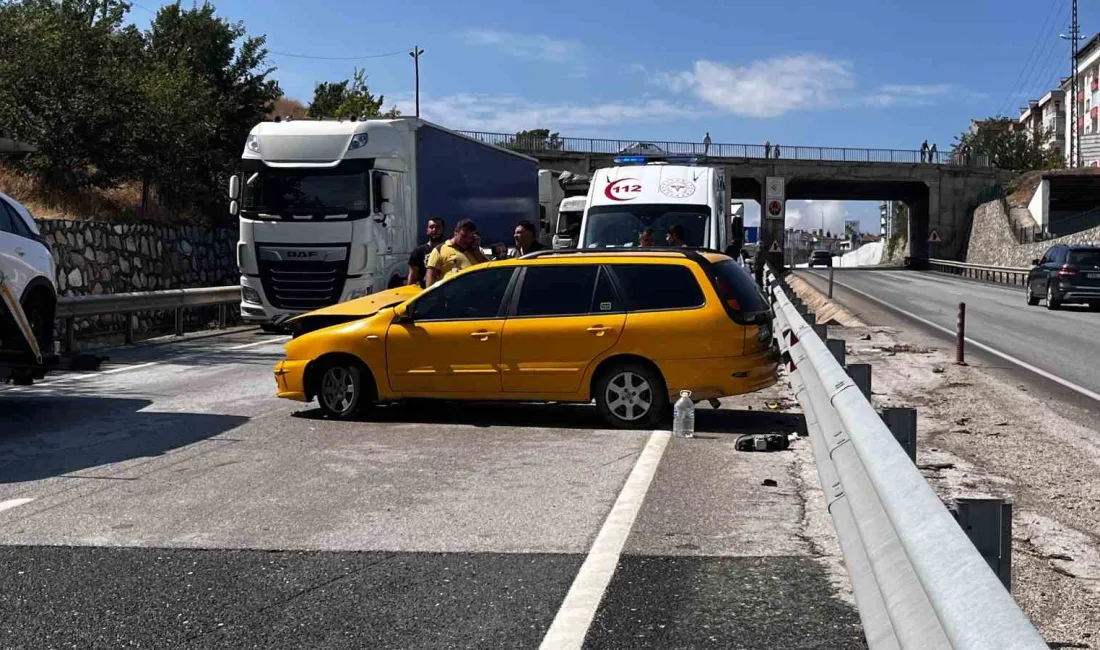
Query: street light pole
[(1073, 37), (415, 54)]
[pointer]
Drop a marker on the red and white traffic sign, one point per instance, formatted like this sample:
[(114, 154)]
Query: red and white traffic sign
[(775, 209)]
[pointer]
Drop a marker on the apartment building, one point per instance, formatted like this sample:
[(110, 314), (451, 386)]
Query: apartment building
[(1087, 123), (1047, 116)]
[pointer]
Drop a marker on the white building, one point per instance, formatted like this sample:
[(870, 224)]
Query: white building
[(1088, 102), (1046, 115)]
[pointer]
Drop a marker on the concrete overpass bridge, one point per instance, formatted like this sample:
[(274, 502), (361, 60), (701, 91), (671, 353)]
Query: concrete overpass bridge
[(941, 191)]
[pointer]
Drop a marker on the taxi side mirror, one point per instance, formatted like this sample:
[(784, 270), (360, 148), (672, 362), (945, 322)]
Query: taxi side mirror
[(402, 313)]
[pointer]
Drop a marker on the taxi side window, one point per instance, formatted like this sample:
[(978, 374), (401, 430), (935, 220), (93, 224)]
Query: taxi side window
[(471, 296), (658, 287), (557, 290)]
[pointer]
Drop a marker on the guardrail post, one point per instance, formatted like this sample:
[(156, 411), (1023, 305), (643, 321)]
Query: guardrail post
[(988, 524), (70, 333), (179, 321), (821, 329), (129, 327), (836, 346), (830, 282), (960, 335), (221, 316), (861, 375), (902, 422)]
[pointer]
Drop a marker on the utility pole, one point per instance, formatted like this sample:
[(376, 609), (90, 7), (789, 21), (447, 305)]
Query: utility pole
[(1074, 84), (415, 54)]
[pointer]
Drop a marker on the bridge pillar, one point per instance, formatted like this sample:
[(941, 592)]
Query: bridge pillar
[(772, 234)]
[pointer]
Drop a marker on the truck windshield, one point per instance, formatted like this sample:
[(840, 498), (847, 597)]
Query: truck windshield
[(615, 226), (569, 222), (308, 191)]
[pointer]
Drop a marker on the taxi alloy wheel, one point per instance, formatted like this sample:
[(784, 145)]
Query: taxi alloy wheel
[(341, 391), (631, 396)]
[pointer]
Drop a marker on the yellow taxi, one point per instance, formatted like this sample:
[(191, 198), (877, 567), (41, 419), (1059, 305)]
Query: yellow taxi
[(626, 328)]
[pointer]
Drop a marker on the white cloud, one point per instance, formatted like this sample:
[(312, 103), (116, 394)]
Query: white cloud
[(767, 88), (910, 95), (777, 86), (807, 215), (508, 113), (527, 46)]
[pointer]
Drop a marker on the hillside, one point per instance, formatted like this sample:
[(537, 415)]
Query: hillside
[(120, 205)]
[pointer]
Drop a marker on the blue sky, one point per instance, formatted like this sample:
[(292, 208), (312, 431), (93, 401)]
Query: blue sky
[(857, 73)]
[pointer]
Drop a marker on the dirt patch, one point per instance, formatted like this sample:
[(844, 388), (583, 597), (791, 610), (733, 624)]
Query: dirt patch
[(981, 436), (826, 311)]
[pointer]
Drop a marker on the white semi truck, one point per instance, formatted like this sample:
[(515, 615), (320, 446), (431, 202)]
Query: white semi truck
[(331, 210), (644, 192)]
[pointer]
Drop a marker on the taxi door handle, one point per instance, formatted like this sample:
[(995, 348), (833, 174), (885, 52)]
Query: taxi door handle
[(598, 330), (483, 335)]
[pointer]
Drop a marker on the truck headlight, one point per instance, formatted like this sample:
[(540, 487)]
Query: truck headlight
[(359, 293), (358, 141), (248, 294), (253, 143)]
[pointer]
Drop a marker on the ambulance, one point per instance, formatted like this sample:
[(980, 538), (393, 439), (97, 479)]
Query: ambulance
[(658, 193)]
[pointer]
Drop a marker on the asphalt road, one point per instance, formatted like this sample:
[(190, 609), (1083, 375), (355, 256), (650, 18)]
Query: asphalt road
[(171, 501), (1063, 343)]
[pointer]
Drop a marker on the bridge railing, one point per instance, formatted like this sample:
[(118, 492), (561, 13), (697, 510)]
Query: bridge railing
[(918, 580), (534, 144), (1003, 274)]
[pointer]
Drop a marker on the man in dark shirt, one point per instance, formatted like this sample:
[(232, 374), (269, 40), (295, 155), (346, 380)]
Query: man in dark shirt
[(526, 236), (418, 261)]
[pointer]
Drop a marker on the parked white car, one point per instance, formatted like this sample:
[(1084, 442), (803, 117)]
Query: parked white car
[(28, 269)]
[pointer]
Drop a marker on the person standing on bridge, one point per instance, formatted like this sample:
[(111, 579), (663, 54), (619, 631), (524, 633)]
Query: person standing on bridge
[(706, 143), (924, 151), (777, 151), (767, 148), (932, 153)]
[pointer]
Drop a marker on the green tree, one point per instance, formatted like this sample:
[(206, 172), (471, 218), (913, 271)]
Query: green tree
[(210, 81), (537, 140), (999, 141), (69, 82), (347, 98)]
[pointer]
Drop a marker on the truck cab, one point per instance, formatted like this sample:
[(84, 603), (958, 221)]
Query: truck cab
[(331, 210), (567, 230), (645, 193)]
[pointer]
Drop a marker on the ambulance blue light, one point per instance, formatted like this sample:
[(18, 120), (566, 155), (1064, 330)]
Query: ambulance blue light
[(630, 160)]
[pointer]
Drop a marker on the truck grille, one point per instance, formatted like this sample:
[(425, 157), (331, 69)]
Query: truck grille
[(299, 285)]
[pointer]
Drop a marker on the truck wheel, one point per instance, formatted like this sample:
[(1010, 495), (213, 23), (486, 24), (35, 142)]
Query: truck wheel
[(631, 396), (344, 389), (395, 282)]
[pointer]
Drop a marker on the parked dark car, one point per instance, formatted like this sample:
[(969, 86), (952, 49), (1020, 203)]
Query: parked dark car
[(823, 258), (1066, 274)]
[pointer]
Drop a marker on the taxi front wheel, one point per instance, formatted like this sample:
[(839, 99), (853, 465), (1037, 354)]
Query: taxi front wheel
[(631, 396), (343, 390)]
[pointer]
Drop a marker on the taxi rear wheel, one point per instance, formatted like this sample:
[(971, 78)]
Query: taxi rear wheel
[(343, 389), (631, 396)]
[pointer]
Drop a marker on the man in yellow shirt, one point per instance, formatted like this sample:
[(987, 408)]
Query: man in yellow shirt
[(459, 252)]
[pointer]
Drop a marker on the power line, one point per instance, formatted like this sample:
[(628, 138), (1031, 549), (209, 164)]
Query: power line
[(340, 58), (310, 56), (1048, 54), (1028, 63)]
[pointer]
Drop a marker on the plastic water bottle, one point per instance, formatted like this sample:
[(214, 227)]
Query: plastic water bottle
[(683, 416)]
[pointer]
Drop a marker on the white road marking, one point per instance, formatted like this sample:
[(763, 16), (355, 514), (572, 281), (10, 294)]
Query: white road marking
[(1081, 390), (13, 503), (575, 616), (159, 362)]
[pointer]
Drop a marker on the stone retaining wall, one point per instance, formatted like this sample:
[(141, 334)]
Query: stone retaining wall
[(95, 257), (993, 242)]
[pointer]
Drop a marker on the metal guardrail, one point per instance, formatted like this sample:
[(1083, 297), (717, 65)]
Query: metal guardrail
[(918, 580), (532, 144), (73, 307), (1004, 274)]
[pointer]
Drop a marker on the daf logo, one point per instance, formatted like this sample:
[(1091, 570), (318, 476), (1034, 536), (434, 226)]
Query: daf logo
[(301, 254)]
